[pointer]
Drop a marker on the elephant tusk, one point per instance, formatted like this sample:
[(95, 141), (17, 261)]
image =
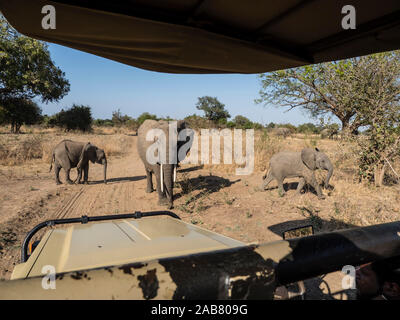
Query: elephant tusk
[(161, 178), (174, 174)]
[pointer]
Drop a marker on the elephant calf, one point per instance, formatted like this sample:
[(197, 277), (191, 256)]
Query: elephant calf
[(302, 164), (70, 154)]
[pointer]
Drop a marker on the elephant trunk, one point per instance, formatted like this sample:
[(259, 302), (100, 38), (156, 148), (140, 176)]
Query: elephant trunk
[(104, 162), (329, 175), (168, 175)]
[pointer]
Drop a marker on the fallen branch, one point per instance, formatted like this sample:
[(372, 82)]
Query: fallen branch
[(398, 177)]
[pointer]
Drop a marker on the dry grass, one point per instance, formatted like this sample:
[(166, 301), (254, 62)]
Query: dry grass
[(350, 203), (18, 149)]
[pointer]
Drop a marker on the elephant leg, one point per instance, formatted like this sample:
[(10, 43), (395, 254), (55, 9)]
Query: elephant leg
[(149, 177), (162, 199), (267, 181), (57, 169), (313, 181), (67, 178), (281, 190), (300, 186), (79, 176), (86, 173)]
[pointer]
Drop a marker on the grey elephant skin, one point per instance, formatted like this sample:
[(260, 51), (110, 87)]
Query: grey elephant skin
[(164, 171), (287, 164), (70, 154)]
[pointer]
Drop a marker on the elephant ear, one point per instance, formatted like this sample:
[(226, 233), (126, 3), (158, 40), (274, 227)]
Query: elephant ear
[(308, 157), (83, 158)]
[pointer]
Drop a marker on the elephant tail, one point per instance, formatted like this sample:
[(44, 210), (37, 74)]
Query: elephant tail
[(52, 160)]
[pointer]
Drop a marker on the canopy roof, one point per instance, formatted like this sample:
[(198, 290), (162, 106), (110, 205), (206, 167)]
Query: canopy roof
[(213, 36)]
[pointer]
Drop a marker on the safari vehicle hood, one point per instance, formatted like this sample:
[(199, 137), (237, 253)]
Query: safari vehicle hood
[(94, 245)]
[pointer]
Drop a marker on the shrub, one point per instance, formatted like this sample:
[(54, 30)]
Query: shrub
[(76, 118), (103, 123), (144, 116), (308, 128)]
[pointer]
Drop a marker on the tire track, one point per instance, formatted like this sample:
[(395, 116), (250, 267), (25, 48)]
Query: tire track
[(84, 205), (63, 211), (118, 196)]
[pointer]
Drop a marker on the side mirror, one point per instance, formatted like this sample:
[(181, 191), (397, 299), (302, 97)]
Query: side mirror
[(298, 232)]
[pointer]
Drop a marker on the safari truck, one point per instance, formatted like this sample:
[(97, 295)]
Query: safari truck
[(155, 255)]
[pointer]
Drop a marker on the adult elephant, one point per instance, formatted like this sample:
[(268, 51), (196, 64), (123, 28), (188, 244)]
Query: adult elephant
[(154, 147), (70, 154), (302, 164)]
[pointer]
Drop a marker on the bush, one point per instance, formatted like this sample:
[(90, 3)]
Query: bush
[(76, 118), (118, 119), (289, 126), (144, 116), (257, 126), (132, 124), (196, 122), (103, 123), (230, 125), (308, 128), (242, 123)]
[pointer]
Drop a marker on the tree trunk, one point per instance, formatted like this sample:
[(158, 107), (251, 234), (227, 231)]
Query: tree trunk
[(345, 126), (379, 174), (17, 127)]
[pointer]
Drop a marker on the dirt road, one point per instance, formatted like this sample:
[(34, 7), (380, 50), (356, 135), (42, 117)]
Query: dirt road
[(225, 203)]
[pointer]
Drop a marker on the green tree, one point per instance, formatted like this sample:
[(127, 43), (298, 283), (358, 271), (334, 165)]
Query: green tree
[(242, 122), (381, 146), (27, 71), (19, 111), (340, 88), (76, 118), (144, 116), (213, 109)]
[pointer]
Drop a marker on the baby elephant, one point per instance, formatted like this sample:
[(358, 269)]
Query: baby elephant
[(302, 164), (70, 154)]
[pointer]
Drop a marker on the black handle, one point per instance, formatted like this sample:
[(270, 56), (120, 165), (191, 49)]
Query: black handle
[(83, 220)]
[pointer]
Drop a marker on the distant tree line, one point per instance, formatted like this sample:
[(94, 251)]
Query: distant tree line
[(79, 117)]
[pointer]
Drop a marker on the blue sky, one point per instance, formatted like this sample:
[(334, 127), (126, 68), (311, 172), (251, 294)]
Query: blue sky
[(106, 86)]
